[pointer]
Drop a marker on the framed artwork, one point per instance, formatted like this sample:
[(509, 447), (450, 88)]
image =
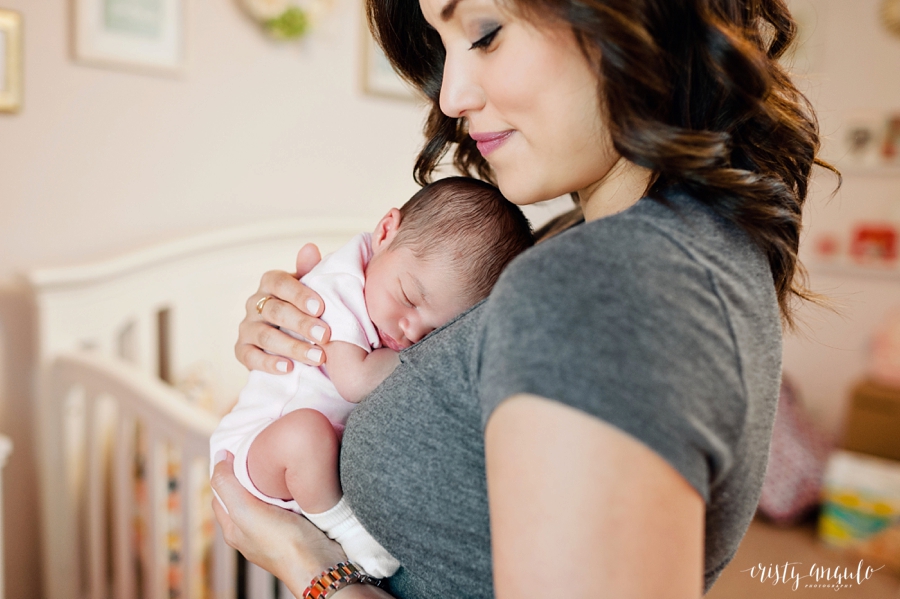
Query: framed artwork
[(871, 141), (10, 61), (378, 76), (132, 34), (805, 55)]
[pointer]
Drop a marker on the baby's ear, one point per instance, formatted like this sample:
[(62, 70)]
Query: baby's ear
[(386, 229)]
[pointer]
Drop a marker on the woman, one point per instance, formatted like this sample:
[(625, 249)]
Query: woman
[(600, 425)]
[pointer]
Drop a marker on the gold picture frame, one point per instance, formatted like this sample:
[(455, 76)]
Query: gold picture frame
[(10, 61)]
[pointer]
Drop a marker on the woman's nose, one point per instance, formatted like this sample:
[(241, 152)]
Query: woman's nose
[(460, 94)]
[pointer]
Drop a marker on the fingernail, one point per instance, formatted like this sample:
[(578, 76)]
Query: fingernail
[(220, 456), (315, 355), (313, 306), (281, 366), (317, 332)]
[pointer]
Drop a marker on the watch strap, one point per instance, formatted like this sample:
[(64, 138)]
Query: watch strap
[(337, 577)]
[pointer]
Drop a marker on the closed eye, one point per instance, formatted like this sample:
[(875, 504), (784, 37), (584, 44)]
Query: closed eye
[(485, 41), (406, 300)]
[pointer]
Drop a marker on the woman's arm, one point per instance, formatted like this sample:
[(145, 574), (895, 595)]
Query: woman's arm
[(277, 540), (580, 509), (290, 304)]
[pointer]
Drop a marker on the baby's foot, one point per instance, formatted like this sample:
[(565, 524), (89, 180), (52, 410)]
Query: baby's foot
[(361, 548)]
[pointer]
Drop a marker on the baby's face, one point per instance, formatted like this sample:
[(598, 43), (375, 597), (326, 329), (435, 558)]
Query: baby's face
[(407, 297)]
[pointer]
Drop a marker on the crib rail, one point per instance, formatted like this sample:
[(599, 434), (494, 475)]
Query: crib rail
[(130, 485), (104, 415)]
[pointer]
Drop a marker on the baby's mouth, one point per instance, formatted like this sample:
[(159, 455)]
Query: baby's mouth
[(389, 342)]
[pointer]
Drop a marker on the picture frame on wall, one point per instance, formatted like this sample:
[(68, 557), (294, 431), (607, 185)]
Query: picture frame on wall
[(870, 142), (10, 61), (142, 35), (378, 76)]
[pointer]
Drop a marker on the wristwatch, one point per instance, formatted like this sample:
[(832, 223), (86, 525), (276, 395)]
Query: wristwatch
[(341, 575)]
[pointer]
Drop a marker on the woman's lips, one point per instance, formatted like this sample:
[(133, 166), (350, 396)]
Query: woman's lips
[(389, 342), (488, 142)]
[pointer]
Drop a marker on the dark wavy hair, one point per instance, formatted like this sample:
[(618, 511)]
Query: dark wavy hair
[(692, 90), (469, 224)]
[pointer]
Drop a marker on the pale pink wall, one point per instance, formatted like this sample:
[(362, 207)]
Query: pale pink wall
[(99, 160)]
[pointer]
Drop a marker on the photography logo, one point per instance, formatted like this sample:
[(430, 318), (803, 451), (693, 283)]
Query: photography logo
[(815, 577)]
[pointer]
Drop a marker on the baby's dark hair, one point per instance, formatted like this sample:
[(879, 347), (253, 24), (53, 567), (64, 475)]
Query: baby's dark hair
[(469, 222)]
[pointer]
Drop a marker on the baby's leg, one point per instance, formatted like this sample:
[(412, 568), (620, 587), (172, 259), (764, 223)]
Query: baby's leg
[(295, 457)]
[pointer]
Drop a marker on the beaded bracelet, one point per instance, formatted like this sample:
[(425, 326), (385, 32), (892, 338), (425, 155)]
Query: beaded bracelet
[(341, 575)]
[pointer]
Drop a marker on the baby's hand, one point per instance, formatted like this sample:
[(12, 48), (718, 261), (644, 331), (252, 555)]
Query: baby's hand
[(356, 372)]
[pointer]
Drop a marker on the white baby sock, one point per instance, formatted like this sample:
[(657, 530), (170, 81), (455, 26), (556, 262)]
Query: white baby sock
[(361, 548)]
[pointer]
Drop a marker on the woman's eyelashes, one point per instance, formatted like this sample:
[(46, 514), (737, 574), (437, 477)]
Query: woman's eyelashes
[(485, 41)]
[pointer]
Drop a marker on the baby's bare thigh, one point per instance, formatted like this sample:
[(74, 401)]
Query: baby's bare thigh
[(303, 441)]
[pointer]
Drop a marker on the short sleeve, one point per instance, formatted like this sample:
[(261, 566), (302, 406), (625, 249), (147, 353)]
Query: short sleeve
[(616, 319), (345, 309), (339, 279)]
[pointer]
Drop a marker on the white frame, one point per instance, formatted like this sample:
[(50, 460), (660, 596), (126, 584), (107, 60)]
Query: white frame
[(96, 44), (867, 157), (11, 57), (378, 76)]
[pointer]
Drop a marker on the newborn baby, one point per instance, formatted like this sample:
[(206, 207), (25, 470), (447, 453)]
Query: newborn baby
[(424, 264)]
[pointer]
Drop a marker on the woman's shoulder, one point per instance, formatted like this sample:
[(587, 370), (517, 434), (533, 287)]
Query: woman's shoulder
[(653, 248), (651, 297), (677, 220)]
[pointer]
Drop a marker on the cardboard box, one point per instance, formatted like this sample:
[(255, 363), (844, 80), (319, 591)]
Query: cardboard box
[(873, 421), (861, 507)]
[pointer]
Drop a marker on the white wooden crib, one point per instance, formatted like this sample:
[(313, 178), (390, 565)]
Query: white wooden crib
[(136, 358)]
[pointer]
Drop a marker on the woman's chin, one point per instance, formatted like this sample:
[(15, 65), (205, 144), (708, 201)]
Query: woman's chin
[(522, 192)]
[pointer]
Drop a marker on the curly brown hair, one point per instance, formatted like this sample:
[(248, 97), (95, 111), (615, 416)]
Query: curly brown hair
[(692, 89)]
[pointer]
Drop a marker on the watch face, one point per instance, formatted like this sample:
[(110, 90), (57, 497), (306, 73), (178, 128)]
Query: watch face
[(890, 15)]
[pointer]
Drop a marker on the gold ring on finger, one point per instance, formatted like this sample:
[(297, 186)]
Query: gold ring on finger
[(261, 303)]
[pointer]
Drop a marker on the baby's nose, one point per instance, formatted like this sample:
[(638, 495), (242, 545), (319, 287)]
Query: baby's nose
[(414, 331)]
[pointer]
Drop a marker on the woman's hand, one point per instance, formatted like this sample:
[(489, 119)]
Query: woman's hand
[(292, 305), (277, 540)]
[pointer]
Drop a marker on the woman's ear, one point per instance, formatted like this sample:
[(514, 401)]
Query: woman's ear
[(386, 230)]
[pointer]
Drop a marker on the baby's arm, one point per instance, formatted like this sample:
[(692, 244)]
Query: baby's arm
[(356, 372)]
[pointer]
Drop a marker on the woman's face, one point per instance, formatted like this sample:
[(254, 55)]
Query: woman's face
[(529, 96)]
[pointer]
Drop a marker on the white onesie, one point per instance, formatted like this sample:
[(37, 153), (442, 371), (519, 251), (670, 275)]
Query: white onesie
[(340, 280)]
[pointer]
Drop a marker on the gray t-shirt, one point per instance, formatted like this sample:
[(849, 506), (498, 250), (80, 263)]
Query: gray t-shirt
[(660, 320)]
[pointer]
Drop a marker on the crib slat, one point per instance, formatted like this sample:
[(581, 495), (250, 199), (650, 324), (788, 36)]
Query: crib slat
[(225, 568), (74, 432), (187, 524), (155, 547), (198, 548), (6, 448), (123, 506), (104, 446), (94, 496)]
